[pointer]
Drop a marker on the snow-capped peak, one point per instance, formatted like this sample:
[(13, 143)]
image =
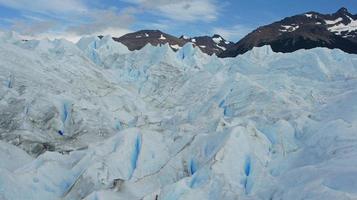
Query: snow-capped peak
[(217, 39)]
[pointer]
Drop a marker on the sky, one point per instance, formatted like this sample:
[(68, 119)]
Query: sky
[(72, 19)]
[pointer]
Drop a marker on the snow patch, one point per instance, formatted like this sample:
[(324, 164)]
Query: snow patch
[(185, 37), (289, 28), (217, 40), (338, 29), (308, 15), (223, 48), (175, 46), (332, 22)]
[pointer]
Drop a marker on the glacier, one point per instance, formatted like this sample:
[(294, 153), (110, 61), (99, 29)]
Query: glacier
[(95, 121)]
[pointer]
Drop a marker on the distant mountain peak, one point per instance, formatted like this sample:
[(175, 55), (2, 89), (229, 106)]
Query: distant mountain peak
[(209, 45), (343, 10), (216, 36), (304, 31)]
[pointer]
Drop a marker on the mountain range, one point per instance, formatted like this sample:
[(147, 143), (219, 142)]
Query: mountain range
[(210, 45), (304, 31)]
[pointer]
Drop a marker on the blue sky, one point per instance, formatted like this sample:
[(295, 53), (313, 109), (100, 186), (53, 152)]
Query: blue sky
[(230, 18)]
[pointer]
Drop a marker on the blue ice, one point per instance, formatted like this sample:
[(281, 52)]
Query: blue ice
[(118, 126), (65, 111), (247, 171), (222, 103), (9, 82), (193, 166), (247, 166), (136, 152), (198, 179)]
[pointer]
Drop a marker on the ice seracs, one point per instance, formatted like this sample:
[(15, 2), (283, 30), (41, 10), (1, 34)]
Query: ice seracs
[(161, 124)]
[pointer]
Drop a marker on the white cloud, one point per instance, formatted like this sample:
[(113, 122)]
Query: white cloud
[(184, 10), (32, 27), (102, 20), (115, 32), (73, 18), (46, 6), (233, 33), (68, 19), (162, 24), (74, 37), (51, 36)]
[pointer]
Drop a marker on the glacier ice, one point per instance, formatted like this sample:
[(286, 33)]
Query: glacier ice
[(94, 120)]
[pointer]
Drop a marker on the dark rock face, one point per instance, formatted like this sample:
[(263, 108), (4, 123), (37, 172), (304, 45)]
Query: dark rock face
[(137, 40), (210, 45), (305, 31)]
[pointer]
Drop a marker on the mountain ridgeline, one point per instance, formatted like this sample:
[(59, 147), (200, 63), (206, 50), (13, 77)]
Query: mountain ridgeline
[(210, 45), (304, 31)]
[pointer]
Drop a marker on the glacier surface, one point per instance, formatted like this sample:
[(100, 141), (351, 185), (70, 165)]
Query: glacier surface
[(96, 121)]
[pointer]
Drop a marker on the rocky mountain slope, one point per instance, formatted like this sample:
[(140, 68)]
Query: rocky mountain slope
[(137, 40), (304, 31)]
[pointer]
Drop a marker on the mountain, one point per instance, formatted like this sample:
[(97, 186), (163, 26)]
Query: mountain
[(304, 31), (137, 40), (210, 44)]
